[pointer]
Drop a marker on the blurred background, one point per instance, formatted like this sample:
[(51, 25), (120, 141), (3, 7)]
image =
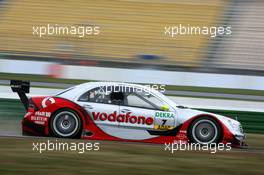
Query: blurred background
[(132, 34), (224, 74), (217, 73)]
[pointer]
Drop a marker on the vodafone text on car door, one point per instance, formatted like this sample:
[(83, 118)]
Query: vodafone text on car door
[(98, 105)]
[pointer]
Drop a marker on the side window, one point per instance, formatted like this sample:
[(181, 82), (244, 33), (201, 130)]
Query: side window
[(117, 98), (157, 102), (103, 94), (97, 95), (143, 99), (134, 100)]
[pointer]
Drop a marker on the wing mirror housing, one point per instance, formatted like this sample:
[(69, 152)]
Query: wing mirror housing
[(165, 108)]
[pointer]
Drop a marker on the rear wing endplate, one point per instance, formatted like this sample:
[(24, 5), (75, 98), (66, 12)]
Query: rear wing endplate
[(21, 88)]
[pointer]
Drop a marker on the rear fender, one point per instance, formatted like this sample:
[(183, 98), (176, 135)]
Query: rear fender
[(47, 106)]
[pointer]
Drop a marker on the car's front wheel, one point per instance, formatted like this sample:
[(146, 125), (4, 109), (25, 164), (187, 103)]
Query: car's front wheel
[(205, 130), (65, 123)]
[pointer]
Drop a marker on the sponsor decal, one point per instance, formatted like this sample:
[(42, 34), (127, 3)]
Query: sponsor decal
[(123, 118), (164, 120), (164, 115), (183, 131), (47, 101), (163, 127), (36, 118), (43, 114), (39, 119), (181, 136)]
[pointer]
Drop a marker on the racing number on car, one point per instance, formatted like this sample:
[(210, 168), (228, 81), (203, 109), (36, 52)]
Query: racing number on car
[(164, 120)]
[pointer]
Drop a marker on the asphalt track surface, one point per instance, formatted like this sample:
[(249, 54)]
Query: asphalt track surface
[(18, 134), (253, 150)]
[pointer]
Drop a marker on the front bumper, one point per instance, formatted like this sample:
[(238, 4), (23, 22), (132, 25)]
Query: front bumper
[(239, 141)]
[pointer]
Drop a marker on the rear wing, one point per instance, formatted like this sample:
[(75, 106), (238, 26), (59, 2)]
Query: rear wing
[(21, 88)]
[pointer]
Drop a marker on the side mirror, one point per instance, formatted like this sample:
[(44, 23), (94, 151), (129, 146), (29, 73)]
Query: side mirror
[(165, 108)]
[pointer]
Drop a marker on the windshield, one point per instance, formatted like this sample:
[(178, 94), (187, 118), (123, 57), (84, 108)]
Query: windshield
[(165, 98)]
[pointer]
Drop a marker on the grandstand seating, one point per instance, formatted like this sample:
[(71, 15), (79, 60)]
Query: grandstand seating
[(127, 28), (244, 49)]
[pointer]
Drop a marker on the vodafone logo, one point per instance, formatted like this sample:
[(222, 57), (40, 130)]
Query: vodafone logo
[(123, 118), (47, 101)]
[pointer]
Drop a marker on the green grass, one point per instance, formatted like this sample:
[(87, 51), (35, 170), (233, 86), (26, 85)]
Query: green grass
[(11, 114), (252, 122), (116, 158), (216, 90), (216, 98)]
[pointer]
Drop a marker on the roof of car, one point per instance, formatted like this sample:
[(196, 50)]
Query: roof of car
[(106, 83), (74, 92)]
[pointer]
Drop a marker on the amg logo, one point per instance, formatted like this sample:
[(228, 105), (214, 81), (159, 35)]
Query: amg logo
[(123, 118)]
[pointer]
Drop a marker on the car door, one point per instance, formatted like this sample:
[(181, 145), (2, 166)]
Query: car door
[(98, 105), (147, 111)]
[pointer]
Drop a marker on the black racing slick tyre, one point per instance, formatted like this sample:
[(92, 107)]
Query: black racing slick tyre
[(205, 130), (65, 123)]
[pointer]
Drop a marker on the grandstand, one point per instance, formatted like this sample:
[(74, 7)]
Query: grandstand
[(134, 29), (129, 28), (244, 50)]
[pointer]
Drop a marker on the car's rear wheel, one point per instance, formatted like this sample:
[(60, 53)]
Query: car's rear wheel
[(205, 130), (65, 123)]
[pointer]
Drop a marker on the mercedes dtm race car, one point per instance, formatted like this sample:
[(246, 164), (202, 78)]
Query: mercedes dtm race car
[(122, 112)]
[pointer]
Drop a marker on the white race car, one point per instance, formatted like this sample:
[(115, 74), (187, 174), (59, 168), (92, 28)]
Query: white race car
[(122, 112)]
